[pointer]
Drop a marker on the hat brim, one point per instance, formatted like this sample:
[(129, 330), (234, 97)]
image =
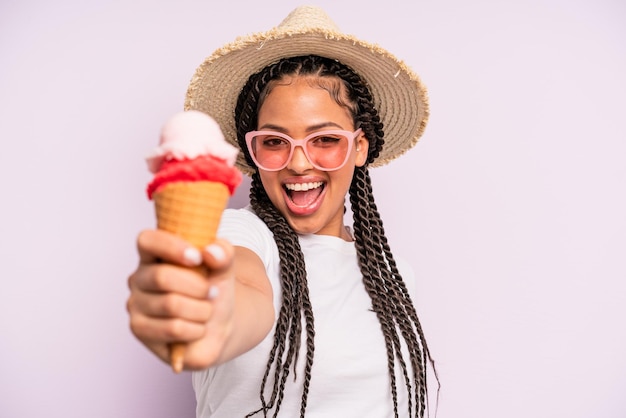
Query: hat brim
[(399, 95)]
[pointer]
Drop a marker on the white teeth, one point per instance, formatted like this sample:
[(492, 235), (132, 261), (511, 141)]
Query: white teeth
[(303, 187)]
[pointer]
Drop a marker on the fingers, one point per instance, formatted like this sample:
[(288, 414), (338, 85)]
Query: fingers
[(158, 318), (156, 245), (152, 275), (181, 294), (162, 331), (168, 278), (218, 256), (172, 305)]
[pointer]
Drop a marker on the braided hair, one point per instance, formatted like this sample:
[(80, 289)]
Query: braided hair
[(390, 298)]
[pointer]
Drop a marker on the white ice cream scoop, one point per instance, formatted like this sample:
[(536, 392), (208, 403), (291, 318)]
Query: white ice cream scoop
[(188, 135)]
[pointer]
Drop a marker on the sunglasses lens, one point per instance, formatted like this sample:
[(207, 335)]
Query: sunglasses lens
[(270, 152), (328, 151)]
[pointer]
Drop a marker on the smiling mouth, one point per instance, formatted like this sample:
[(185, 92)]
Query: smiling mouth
[(304, 194)]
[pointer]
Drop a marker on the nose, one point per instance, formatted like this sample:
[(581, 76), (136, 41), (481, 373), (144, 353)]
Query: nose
[(299, 162)]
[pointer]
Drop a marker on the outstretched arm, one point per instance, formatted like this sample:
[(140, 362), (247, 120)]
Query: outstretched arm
[(219, 315)]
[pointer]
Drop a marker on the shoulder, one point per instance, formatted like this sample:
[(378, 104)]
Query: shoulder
[(236, 220), (243, 228)]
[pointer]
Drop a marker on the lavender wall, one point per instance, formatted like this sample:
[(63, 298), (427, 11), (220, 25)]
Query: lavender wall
[(511, 208)]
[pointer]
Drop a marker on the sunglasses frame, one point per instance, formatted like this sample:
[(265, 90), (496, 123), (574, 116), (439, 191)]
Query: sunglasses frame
[(300, 143)]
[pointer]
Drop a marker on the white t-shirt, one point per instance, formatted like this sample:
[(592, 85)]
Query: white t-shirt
[(349, 377)]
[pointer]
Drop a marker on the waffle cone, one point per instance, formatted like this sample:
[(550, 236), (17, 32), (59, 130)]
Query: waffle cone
[(191, 210)]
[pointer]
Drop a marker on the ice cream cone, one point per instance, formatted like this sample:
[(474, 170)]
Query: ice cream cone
[(191, 210), (194, 176)]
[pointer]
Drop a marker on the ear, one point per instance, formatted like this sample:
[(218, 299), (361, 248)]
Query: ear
[(362, 148)]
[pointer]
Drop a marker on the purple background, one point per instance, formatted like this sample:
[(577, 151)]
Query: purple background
[(511, 208)]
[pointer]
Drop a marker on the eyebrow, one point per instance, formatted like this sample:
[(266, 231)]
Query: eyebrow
[(312, 128)]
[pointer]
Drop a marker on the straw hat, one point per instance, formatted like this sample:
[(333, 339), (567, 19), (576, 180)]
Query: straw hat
[(399, 95)]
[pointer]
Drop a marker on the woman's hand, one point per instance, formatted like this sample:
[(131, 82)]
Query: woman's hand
[(180, 294)]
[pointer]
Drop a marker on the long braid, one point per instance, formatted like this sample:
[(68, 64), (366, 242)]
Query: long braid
[(295, 302), (390, 298)]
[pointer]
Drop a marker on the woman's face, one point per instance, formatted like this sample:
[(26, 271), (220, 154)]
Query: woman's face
[(299, 108)]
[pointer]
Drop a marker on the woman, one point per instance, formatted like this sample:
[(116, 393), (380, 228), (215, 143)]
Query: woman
[(304, 316)]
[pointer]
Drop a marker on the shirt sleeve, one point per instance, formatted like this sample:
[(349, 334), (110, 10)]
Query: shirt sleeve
[(244, 229)]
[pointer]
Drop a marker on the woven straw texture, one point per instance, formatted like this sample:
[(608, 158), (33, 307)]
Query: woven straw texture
[(399, 95)]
